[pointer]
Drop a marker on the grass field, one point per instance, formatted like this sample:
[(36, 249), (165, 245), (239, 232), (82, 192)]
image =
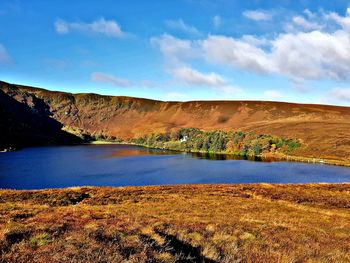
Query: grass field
[(199, 223)]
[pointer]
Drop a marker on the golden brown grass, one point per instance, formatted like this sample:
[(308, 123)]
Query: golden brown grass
[(209, 223)]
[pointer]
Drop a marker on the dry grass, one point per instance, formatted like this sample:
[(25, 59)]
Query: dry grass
[(209, 223)]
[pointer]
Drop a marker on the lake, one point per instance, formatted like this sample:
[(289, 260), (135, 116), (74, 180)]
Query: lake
[(125, 165)]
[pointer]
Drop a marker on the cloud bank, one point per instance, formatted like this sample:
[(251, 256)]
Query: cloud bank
[(311, 53)]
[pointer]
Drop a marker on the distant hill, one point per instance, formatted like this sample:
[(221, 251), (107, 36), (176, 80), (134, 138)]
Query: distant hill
[(323, 129)]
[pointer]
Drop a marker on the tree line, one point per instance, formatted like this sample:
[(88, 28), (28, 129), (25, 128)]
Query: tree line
[(232, 142)]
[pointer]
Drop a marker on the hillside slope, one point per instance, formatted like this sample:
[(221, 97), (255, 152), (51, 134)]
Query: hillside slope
[(324, 130), (22, 126)]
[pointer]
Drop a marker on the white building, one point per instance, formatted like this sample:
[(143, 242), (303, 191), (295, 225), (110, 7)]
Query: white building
[(183, 139)]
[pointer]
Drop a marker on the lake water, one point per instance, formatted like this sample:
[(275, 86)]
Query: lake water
[(122, 165)]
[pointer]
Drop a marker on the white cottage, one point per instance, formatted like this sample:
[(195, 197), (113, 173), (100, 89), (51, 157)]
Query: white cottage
[(184, 139)]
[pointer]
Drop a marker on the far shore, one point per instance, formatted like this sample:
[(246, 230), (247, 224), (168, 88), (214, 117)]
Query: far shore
[(278, 157)]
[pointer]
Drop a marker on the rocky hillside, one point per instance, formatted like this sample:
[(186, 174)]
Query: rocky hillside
[(23, 126), (324, 130)]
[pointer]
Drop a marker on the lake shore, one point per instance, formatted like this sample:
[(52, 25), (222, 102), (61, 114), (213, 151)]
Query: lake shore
[(213, 223), (265, 157)]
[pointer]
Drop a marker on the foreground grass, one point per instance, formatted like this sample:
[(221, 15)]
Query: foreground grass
[(202, 223)]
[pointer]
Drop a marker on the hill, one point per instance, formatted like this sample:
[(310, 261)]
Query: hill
[(22, 126), (322, 129)]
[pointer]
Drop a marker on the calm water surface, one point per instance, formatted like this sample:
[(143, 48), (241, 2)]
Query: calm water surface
[(121, 165)]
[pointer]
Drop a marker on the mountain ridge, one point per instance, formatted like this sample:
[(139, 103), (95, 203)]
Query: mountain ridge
[(323, 129), (167, 101)]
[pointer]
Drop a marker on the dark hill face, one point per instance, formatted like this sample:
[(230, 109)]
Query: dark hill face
[(23, 126), (323, 129)]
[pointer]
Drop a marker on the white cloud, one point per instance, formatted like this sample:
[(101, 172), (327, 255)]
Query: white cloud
[(4, 56), (102, 26), (312, 56), (147, 84), (120, 82), (105, 78), (311, 52), (344, 21), (305, 24), (175, 96), (258, 15), (309, 14), (272, 94), (193, 77), (298, 55), (61, 27), (255, 41), (180, 25), (340, 94), (236, 53), (175, 50), (229, 90), (301, 55), (217, 21)]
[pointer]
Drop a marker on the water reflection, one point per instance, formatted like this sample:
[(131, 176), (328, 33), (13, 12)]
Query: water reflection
[(222, 157), (120, 165), (139, 151)]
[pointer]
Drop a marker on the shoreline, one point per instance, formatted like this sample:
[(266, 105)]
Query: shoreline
[(180, 187), (278, 157)]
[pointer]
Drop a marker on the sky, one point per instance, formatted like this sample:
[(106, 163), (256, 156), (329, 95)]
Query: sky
[(286, 50)]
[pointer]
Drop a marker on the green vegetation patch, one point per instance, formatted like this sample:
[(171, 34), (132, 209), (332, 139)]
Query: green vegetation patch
[(232, 142)]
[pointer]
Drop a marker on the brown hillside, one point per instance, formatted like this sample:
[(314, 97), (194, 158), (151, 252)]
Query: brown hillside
[(323, 129)]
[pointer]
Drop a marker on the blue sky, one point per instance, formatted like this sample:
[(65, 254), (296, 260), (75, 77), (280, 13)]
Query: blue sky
[(287, 50)]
